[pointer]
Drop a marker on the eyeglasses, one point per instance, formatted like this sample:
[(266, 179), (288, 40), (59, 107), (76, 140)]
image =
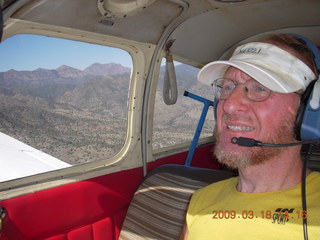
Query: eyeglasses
[(223, 88)]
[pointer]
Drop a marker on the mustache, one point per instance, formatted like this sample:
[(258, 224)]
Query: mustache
[(232, 117)]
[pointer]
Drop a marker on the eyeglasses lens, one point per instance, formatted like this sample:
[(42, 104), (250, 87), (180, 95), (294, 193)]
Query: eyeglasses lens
[(223, 88)]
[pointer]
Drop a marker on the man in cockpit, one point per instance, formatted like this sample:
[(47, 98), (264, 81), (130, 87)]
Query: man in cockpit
[(259, 92)]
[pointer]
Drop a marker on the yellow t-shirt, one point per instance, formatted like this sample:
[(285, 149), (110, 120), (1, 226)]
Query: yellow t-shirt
[(219, 211)]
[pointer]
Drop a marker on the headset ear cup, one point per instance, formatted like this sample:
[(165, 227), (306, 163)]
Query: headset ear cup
[(302, 108), (299, 119)]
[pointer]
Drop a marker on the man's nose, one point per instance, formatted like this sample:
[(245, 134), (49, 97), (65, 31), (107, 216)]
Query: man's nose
[(237, 101)]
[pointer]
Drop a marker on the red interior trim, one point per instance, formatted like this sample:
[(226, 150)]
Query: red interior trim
[(62, 209), (203, 157), (91, 209)]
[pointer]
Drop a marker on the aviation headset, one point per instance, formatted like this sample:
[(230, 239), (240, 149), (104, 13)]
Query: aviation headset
[(307, 124), (308, 117)]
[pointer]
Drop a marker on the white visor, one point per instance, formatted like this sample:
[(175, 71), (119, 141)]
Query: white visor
[(268, 64)]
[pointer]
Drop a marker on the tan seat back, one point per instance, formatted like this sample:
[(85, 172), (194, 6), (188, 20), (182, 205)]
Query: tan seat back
[(158, 208)]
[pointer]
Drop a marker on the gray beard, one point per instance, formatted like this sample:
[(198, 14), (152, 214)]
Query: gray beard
[(256, 155)]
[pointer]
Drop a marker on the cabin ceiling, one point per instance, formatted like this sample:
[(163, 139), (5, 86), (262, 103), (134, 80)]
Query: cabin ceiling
[(206, 29)]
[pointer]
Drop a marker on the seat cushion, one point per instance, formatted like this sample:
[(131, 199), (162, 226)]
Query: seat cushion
[(158, 208)]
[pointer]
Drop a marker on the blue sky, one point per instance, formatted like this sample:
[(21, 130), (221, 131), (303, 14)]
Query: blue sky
[(29, 52)]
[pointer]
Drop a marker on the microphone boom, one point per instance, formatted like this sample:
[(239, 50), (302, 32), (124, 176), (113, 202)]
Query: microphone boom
[(250, 142)]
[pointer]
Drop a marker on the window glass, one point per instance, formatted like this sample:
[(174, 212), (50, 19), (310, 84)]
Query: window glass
[(65, 98), (174, 124)]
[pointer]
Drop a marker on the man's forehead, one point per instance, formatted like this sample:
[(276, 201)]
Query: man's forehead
[(235, 72)]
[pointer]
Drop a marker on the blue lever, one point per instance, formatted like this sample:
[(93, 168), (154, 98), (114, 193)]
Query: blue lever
[(207, 103)]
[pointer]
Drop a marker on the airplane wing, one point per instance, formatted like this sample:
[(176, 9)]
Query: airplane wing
[(18, 159)]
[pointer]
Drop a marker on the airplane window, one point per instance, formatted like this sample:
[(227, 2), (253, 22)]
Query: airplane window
[(174, 124), (65, 98)]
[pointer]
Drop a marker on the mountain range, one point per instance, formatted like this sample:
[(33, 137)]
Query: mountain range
[(81, 115)]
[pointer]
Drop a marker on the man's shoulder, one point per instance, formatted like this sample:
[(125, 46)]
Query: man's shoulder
[(217, 186), (315, 174), (313, 179), (205, 196)]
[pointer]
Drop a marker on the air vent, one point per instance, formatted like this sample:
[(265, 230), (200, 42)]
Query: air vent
[(122, 8)]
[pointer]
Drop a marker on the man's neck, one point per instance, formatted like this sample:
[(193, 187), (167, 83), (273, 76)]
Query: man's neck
[(281, 172)]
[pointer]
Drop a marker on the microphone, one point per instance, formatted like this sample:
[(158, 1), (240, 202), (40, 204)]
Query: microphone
[(250, 142)]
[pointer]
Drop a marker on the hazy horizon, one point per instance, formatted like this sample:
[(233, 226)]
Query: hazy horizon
[(26, 52)]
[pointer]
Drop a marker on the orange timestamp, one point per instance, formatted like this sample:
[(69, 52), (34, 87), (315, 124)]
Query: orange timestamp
[(250, 214)]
